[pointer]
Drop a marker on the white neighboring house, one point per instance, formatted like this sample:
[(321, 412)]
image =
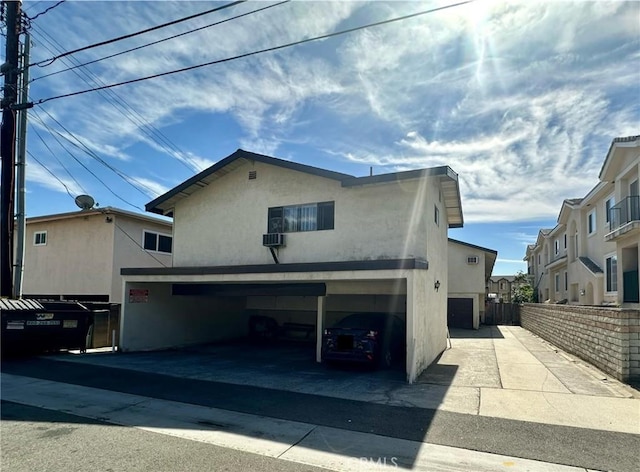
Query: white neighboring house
[(256, 234), (470, 268), (79, 255), (591, 257)]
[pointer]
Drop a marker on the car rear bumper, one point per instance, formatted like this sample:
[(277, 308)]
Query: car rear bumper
[(356, 356)]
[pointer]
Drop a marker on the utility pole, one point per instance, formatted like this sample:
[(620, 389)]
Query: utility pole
[(21, 167), (7, 146)]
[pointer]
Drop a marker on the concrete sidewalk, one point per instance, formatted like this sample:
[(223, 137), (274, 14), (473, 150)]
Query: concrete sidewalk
[(304, 443), (511, 373)]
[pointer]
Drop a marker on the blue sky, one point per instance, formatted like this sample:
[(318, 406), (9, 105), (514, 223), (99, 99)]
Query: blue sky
[(521, 99)]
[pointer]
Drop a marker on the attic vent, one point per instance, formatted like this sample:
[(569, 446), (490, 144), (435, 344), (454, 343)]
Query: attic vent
[(253, 174), (472, 260)]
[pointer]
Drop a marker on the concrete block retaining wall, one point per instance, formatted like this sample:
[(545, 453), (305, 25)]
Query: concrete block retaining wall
[(608, 338)]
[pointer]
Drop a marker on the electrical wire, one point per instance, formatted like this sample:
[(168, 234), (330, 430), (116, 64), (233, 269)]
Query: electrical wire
[(137, 243), (53, 132), (123, 107), (35, 130), (45, 11), (253, 53), (50, 172), (84, 148), (131, 35), (160, 40)]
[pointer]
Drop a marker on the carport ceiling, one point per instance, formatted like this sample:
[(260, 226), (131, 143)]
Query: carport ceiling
[(250, 290)]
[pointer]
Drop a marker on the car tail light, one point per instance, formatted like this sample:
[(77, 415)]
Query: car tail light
[(372, 334), (327, 332)]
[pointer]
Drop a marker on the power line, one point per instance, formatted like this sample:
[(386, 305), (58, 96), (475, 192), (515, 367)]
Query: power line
[(161, 40), (45, 11), (274, 48), (123, 107), (136, 242), (58, 159), (84, 148), (131, 35), (50, 172), (51, 131)]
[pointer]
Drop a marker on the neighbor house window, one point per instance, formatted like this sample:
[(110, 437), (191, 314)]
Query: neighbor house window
[(557, 247), (611, 267), (608, 205), (157, 242), (436, 215), (565, 241), (297, 218), (557, 280), (40, 238), (591, 222), (566, 280)]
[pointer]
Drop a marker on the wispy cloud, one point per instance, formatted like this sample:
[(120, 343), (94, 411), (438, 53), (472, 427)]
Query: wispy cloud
[(521, 99)]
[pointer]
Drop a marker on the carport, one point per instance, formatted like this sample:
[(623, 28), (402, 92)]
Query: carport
[(181, 306)]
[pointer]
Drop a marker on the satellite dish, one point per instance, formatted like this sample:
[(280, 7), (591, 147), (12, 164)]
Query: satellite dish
[(85, 202)]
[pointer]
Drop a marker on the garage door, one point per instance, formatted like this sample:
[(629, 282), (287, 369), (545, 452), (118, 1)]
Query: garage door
[(460, 313)]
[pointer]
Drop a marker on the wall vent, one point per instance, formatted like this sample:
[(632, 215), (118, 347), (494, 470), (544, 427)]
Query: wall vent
[(473, 260), (253, 175)]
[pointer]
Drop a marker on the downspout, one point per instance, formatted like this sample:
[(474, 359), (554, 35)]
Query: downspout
[(274, 255)]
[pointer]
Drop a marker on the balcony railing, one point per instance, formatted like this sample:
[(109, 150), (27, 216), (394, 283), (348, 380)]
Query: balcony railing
[(624, 212)]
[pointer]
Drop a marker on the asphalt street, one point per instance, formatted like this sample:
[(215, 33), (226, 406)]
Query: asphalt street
[(47, 440), (592, 449)]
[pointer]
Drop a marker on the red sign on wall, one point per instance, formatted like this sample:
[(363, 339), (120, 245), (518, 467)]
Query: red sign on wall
[(138, 295)]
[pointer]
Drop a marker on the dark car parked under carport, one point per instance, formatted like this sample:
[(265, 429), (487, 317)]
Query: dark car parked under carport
[(376, 339)]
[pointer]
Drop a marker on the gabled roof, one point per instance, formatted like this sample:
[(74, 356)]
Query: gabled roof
[(164, 204), (568, 205), (622, 142)]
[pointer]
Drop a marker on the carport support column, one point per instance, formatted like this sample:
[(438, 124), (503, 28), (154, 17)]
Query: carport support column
[(322, 310)]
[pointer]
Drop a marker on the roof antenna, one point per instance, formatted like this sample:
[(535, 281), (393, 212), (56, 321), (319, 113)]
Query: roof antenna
[(370, 171)]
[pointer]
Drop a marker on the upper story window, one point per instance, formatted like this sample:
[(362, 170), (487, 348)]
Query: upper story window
[(565, 240), (40, 238), (436, 215), (557, 247), (608, 205), (591, 222), (296, 218), (157, 242)]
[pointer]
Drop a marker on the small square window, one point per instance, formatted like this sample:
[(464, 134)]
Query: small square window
[(40, 238)]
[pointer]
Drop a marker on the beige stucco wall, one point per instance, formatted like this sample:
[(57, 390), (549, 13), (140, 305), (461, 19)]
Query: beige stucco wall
[(77, 258), (129, 254), (467, 280), (84, 254), (166, 321), (223, 223)]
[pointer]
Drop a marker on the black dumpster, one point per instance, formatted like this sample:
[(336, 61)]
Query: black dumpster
[(30, 326)]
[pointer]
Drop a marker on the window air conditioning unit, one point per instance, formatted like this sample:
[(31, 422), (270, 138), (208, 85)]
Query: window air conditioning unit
[(473, 259), (273, 239)]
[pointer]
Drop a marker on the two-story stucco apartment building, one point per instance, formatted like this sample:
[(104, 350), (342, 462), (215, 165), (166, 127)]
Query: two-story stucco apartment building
[(591, 256), (256, 234), (78, 256)]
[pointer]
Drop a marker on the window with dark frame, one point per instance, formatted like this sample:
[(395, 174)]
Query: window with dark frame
[(612, 273), (299, 218), (608, 205), (436, 215), (157, 242)]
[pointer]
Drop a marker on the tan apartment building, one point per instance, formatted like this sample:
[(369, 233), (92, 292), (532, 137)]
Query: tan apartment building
[(591, 256)]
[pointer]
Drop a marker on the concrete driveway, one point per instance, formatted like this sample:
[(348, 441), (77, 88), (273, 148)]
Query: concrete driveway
[(503, 372)]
